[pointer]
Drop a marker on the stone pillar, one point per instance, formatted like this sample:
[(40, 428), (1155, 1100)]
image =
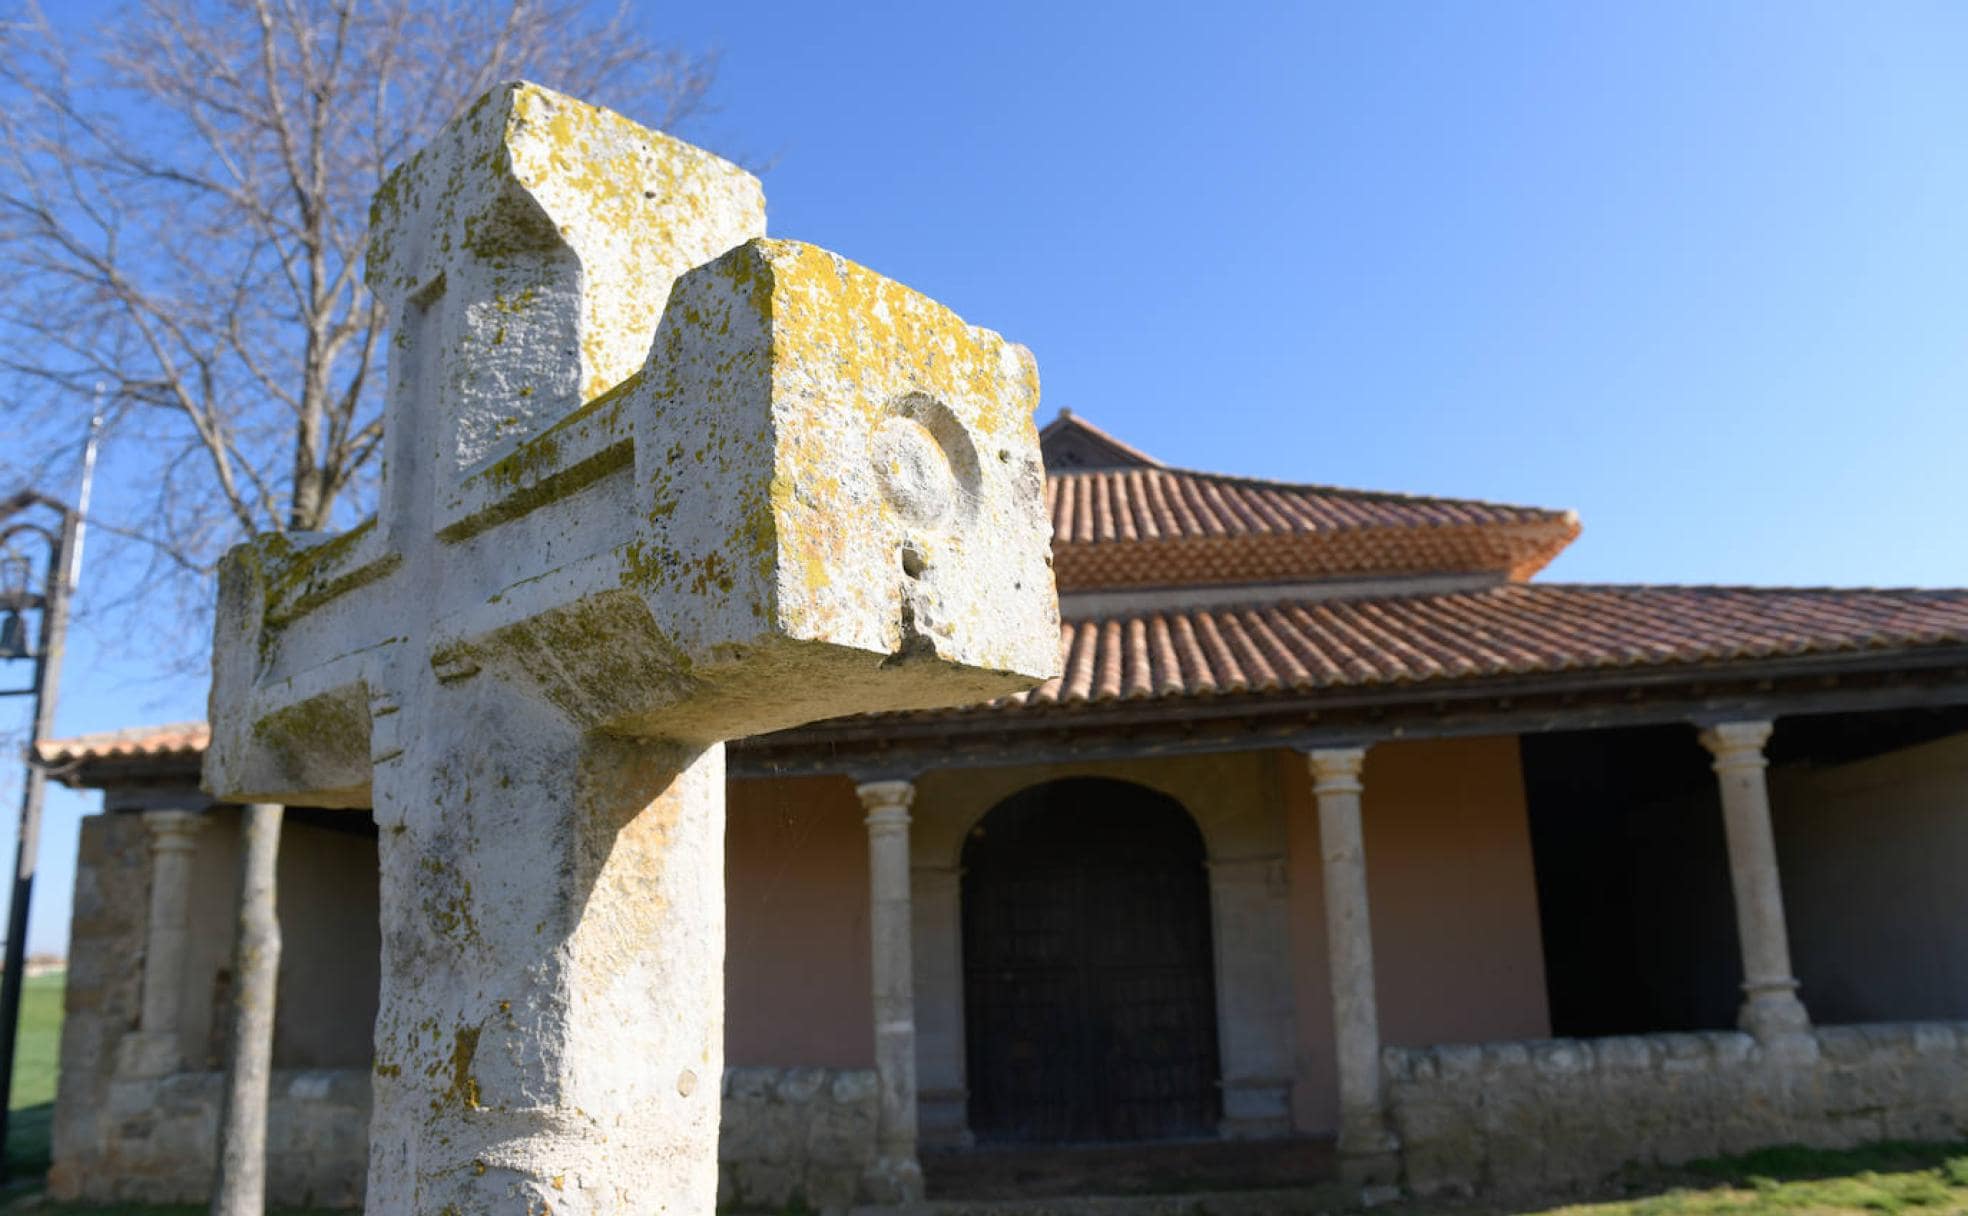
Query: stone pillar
[(1366, 1150), (1771, 1010), (154, 1050), (551, 1028), (942, 1096), (1250, 907), (894, 1176)]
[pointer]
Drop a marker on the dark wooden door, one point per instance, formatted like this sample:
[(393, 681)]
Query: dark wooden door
[(1090, 1004)]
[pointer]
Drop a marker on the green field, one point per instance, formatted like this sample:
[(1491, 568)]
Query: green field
[(1877, 1180), (37, 1054)]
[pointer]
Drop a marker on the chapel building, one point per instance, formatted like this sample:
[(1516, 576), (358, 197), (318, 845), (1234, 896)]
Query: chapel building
[(1342, 848)]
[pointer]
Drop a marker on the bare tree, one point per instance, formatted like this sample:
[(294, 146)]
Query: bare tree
[(184, 201)]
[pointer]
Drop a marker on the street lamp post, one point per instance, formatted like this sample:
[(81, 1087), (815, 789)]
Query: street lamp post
[(64, 553)]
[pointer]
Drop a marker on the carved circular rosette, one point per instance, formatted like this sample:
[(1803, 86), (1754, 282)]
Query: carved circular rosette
[(928, 471)]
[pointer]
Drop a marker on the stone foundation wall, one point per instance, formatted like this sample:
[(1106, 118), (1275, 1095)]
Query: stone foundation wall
[(102, 994), (1512, 1117), (790, 1136), (156, 1140), (795, 1136)]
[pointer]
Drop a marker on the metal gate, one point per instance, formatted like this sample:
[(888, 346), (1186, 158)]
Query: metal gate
[(1090, 1007)]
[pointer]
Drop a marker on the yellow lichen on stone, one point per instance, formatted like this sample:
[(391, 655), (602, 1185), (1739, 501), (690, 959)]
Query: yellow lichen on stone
[(649, 207), (841, 442)]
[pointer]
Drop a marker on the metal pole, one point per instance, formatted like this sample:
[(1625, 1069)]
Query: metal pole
[(62, 571)]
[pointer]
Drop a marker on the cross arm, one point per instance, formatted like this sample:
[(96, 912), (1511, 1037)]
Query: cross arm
[(835, 506), (814, 493)]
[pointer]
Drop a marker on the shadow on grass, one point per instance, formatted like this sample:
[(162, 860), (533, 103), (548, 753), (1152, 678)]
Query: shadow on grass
[(29, 1129), (1796, 1163), (1890, 1178)]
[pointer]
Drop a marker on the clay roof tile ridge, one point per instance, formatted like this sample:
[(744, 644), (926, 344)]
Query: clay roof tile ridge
[(1490, 509)]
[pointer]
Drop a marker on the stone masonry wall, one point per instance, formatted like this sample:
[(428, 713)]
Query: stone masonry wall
[(789, 1137), (1514, 1117), (102, 995), (126, 1137), (793, 1136), (160, 1137)]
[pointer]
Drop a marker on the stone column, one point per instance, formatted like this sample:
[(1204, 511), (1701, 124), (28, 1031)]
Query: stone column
[(1365, 1147), (1771, 1010), (942, 1099), (894, 1176), (154, 1050)]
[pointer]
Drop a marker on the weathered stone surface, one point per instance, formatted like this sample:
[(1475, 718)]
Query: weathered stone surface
[(796, 1136), (817, 492), (1770, 1009), (102, 996), (895, 1176), (156, 1140), (1515, 1117), (788, 1136), (653, 482), (1365, 1150)]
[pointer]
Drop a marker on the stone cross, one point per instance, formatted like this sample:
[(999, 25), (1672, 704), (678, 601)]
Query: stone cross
[(653, 482)]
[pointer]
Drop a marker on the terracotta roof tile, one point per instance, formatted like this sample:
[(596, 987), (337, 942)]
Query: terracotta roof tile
[(1154, 526), (137, 742), (1507, 630), (1096, 505), (1308, 645)]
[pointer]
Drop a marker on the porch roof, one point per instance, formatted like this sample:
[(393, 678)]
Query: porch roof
[(1511, 629), (1400, 648), (171, 740)]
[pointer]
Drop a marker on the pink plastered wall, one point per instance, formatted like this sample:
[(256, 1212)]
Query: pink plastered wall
[(796, 986)]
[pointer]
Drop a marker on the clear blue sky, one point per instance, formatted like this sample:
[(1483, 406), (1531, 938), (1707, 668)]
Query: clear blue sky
[(1699, 271)]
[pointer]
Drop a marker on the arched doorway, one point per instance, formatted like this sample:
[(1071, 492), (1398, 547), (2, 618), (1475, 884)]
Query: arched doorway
[(1089, 995)]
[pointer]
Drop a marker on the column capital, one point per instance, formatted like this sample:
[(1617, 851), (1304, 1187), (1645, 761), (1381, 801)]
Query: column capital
[(887, 802), (173, 830), (1336, 770), (1737, 745)]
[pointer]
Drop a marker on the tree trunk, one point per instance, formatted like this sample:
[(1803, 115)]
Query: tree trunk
[(240, 1189)]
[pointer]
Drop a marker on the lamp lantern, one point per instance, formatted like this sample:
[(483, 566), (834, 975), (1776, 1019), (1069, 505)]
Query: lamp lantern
[(13, 592)]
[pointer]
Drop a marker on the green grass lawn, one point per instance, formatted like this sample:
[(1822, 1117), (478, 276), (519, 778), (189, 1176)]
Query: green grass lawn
[(37, 1060), (1889, 1179), (37, 1055)]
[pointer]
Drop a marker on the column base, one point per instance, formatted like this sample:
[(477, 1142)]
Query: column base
[(1369, 1157), (892, 1180), (1772, 1008), (1779, 1022)]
